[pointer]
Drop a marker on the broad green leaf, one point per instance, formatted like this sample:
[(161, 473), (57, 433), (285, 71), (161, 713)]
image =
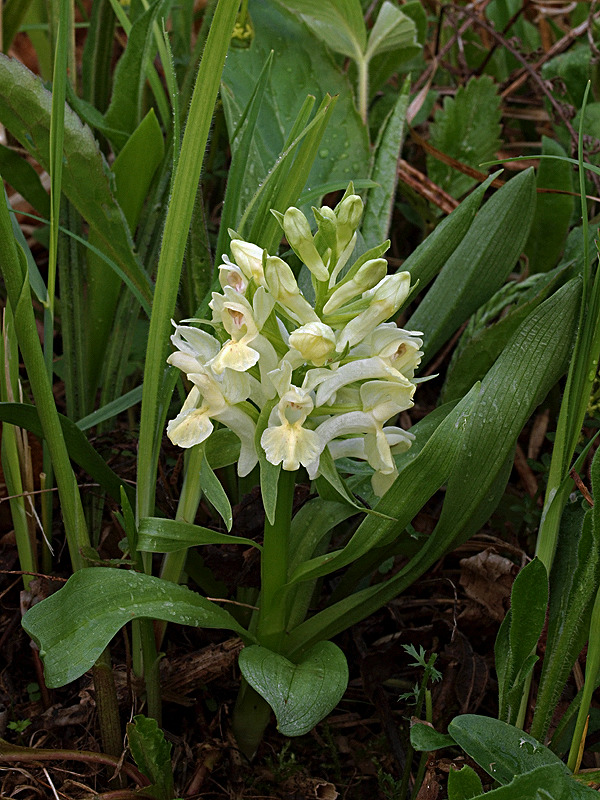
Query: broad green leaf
[(301, 694), (157, 535), (417, 482), (301, 67), (241, 145), (481, 343), (502, 750), (534, 359), (393, 30), (25, 110), (426, 261), (214, 493), (23, 177), (80, 450), (542, 783), (464, 784), (380, 200), (339, 25), (134, 170), (129, 82), (479, 265), (152, 754), (311, 523), (553, 210), (520, 632), (467, 129), (573, 584), (74, 625), (424, 737)]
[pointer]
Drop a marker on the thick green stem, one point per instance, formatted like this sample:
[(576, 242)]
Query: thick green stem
[(272, 616)]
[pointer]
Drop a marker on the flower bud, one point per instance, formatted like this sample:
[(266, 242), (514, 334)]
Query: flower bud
[(315, 341), (282, 285), (298, 233), (249, 259), (349, 213), (367, 276)]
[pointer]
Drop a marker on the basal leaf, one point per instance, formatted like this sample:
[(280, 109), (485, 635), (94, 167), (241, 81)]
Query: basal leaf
[(553, 210), (25, 110), (300, 694), (468, 130), (152, 754), (529, 600), (502, 750), (301, 67), (339, 25), (464, 784), (479, 265), (74, 625), (380, 199)]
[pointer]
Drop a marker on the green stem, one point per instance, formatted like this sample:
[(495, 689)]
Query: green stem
[(363, 87), (591, 672), (272, 617)]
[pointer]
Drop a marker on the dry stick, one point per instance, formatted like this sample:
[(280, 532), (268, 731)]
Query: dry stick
[(15, 753), (505, 30), (527, 67)]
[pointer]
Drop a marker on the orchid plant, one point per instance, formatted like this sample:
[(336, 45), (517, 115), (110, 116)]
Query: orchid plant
[(325, 376)]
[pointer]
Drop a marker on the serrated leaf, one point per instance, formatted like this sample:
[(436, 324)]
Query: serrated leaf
[(301, 694), (25, 110), (152, 754), (301, 67), (464, 784), (467, 129), (340, 26), (73, 626), (425, 738)]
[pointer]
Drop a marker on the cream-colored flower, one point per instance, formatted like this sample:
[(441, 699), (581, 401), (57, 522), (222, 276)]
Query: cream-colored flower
[(231, 275), (237, 316), (383, 300), (194, 348), (399, 348), (370, 274), (212, 399)]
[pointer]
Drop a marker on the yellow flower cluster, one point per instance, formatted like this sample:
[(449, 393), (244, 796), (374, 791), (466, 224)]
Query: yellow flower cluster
[(330, 371)]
